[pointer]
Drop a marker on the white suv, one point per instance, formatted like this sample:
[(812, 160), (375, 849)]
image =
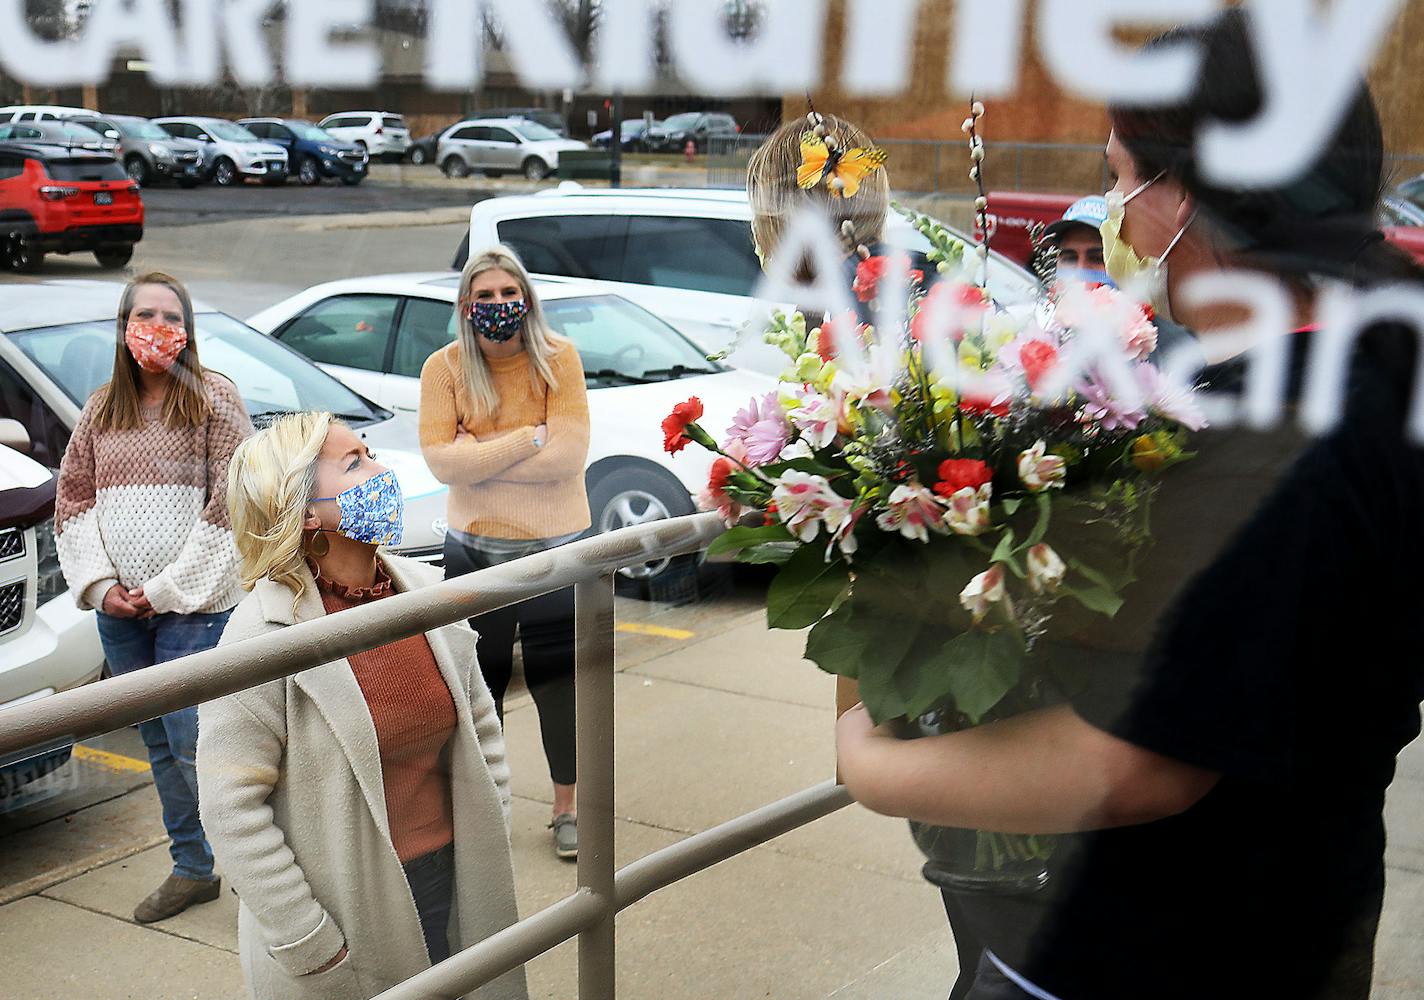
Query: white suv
[(47, 645), (683, 254), (40, 113), (230, 152), (380, 133)]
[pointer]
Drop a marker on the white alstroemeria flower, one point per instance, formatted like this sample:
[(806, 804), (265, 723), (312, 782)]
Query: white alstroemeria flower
[(983, 592), (1045, 569)]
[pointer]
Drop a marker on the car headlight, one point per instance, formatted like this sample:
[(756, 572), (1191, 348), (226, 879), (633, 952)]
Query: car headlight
[(326, 151), (50, 578), (162, 152)]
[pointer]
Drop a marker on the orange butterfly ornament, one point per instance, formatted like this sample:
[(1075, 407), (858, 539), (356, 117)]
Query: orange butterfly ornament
[(841, 170)]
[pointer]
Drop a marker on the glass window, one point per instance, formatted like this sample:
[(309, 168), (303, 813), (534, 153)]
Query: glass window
[(349, 330), (576, 246), (469, 133), (393, 121), (92, 169), (614, 335), (426, 326), (176, 129), (705, 255), (79, 358), (48, 436), (305, 131), (11, 166), (230, 131), (500, 135), (139, 129), (534, 132)]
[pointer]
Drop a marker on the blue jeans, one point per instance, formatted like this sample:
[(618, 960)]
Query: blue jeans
[(172, 740)]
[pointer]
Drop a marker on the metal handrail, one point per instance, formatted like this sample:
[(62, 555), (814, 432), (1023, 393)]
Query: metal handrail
[(587, 565)]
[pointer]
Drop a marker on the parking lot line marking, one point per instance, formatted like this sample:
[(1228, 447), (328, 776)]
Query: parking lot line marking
[(638, 628), (107, 760)]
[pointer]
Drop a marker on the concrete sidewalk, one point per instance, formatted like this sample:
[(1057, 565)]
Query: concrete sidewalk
[(709, 726)]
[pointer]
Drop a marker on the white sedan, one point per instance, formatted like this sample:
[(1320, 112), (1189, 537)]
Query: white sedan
[(374, 333)]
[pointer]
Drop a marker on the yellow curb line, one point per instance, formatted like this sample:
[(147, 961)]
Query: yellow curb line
[(638, 628), (108, 761)]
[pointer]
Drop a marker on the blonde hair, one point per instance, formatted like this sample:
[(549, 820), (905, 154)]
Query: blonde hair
[(776, 197), (270, 481), (539, 340), (186, 403)]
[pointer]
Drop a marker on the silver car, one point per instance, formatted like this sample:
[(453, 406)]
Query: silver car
[(502, 146), (147, 152), (230, 152)]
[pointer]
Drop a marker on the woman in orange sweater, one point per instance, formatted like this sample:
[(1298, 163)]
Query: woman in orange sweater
[(504, 423)]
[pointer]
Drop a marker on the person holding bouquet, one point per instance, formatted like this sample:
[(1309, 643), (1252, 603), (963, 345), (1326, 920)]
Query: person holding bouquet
[(1219, 777)]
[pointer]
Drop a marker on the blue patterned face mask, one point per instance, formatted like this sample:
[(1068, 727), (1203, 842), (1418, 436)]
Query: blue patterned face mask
[(498, 321), (372, 512)]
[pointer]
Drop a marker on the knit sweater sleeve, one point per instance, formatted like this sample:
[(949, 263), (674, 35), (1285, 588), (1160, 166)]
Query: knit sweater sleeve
[(455, 459), (88, 570), (207, 563), (565, 454)]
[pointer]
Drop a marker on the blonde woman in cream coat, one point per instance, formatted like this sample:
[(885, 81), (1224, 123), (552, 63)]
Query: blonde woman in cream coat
[(301, 790)]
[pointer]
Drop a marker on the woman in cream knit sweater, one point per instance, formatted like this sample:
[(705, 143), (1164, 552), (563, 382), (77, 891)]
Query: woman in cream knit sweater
[(504, 422)]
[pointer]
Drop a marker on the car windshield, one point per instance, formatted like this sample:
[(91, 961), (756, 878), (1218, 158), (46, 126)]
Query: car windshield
[(534, 132), (230, 131), (273, 379), (620, 342), (74, 132), (685, 120), (393, 121), (142, 130), (304, 131)]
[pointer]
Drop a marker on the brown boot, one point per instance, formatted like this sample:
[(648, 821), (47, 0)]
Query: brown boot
[(174, 896)]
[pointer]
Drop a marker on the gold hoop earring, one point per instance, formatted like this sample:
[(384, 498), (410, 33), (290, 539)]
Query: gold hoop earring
[(321, 549)]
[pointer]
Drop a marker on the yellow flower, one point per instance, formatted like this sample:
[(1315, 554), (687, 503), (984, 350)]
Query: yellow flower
[(1151, 452)]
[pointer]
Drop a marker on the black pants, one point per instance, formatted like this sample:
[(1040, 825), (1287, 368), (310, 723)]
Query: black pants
[(546, 635), (432, 885)]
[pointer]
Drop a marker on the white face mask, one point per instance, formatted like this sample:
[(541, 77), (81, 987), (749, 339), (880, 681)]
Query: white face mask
[(1145, 277)]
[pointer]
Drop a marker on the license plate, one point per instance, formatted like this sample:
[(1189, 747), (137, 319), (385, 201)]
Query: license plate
[(360, 167), (103, 198)]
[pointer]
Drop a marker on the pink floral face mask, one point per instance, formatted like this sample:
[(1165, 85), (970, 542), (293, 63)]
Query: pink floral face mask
[(155, 346)]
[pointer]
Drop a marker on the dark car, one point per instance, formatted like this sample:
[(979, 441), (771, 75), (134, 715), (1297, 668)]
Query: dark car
[(147, 152), (636, 136), (700, 127), (312, 153), (59, 199), (59, 133), (422, 150)]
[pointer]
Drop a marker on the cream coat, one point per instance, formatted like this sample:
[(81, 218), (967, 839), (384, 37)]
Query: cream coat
[(293, 803)]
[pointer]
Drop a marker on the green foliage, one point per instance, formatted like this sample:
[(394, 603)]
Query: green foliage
[(805, 588)]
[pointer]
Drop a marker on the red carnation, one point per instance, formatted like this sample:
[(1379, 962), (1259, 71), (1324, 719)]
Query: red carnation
[(869, 272), (1038, 358), (675, 436), (826, 343), (957, 473)]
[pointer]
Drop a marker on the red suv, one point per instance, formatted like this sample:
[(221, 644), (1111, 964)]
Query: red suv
[(56, 199)]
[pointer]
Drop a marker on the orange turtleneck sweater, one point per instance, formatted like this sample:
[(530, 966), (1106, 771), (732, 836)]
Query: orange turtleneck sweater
[(414, 716)]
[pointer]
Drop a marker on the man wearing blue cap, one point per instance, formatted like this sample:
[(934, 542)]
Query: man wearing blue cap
[(1079, 242)]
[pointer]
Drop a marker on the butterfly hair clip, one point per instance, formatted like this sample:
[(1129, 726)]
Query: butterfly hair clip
[(825, 161)]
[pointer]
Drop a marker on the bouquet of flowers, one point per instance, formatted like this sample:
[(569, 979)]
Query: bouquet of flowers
[(927, 518)]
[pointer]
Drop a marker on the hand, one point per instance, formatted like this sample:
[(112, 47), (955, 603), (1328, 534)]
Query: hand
[(140, 601), (460, 432), (857, 740), (116, 603), (541, 434), (333, 963)]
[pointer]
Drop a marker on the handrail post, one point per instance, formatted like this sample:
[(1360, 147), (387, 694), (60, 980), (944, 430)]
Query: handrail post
[(593, 604)]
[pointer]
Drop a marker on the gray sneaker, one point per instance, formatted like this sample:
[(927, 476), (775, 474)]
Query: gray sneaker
[(565, 828)]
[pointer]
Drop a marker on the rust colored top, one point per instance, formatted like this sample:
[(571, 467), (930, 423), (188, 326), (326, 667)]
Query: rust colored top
[(414, 716)]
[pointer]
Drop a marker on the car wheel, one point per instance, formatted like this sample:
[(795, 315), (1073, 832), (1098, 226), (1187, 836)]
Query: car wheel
[(114, 257), (629, 496), (535, 169), (225, 173), (419, 156), (455, 167), (137, 168), (20, 253), (308, 172)]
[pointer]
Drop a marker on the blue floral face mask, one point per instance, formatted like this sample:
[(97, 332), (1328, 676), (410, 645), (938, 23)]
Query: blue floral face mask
[(498, 321), (372, 512)]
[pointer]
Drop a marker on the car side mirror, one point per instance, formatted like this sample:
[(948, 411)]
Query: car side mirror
[(13, 434), (204, 137), (110, 134)]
